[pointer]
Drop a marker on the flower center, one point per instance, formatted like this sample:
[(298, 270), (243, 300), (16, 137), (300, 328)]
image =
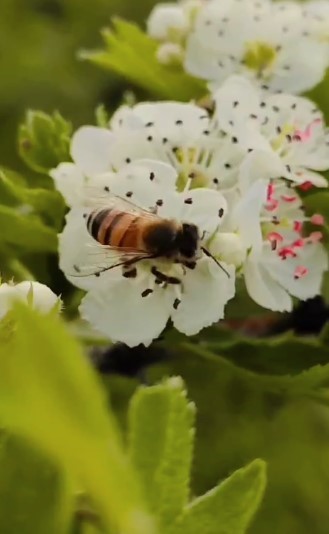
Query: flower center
[(191, 166), (259, 56)]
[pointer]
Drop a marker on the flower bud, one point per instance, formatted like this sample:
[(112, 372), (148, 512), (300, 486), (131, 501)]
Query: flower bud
[(165, 20), (36, 295), (229, 248)]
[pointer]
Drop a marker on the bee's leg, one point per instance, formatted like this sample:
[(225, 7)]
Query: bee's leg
[(190, 264)]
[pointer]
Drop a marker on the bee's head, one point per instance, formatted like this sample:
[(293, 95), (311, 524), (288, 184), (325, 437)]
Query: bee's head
[(188, 241)]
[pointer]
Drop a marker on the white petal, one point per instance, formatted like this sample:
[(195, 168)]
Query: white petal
[(91, 149), (143, 182), (307, 61), (260, 165), (69, 181), (246, 214), (80, 257), (207, 289), (203, 207), (301, 175), (228, 247), (313, 257), (263, 289), (122, 314)]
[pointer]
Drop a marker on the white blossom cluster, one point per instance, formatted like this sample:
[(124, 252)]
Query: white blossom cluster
[(281, 46), (238, 173)]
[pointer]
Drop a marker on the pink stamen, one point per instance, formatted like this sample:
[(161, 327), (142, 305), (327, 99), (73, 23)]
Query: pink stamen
[(315, 237), (306, 186), (307, 133), (274, 238), (299, 243), (300, 272), (270, 192), (273, 204), (287, 198), (287, 252), (298, 226), (317, 219)]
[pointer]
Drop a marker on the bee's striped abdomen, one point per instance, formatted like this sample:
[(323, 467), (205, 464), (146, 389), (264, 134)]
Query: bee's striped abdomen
[(113, 227)]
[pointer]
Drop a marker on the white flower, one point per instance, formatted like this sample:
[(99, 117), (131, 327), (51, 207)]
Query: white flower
[(182, 135), (36, 295), (317, 14), (136, 309), (266, 41), (289, 130), (281, 260)]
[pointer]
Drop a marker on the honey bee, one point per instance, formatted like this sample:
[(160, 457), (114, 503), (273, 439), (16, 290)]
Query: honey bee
[(133, 234)]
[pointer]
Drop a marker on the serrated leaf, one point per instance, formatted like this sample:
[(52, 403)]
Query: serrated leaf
[(65, 413), (228, 508), (132, 54), (25, 231), (34, 497), (44, 140), (161, 441)]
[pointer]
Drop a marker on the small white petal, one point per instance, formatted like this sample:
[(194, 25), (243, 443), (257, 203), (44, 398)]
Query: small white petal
[(207, 289), (91, 149), (203, 207), (260, 165), (122, 314), (263, 289), (69, 181)]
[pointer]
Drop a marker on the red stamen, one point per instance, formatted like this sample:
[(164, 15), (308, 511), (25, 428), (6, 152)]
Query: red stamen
[(298, 226), (272, 206), (299, 243), (287, 252), (270, 192), (287, 198), (306, 186)]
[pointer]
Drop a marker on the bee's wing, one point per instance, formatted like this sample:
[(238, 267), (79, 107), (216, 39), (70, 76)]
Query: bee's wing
[(98, 199), (95, 259)]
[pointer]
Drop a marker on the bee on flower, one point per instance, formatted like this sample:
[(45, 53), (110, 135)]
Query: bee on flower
[(146, 263)]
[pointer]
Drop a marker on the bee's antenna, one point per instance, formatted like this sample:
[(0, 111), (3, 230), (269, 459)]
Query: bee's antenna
[(207, 253)]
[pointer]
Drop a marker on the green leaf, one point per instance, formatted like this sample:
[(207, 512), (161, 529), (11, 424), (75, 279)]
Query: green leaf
[(161, 441), (132, 54), (278, 355), (25, 231), (34, 497), (44, 140), (102, 117), (66, 414), (48, 203), (228, 508)]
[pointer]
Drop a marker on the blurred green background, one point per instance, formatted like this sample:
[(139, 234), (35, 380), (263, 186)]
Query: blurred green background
[(239, 417), (39, 41)]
